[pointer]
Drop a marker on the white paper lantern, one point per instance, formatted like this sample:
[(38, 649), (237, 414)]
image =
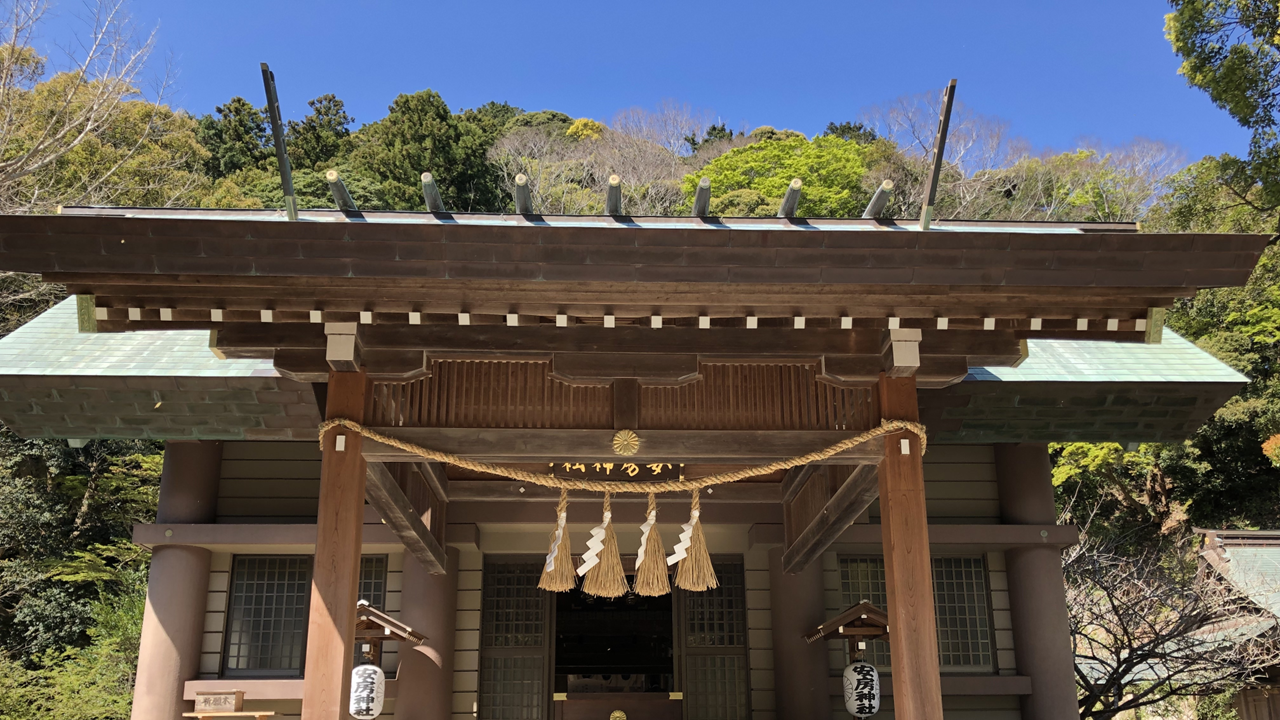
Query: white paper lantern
[(368, 691), (861, 690)]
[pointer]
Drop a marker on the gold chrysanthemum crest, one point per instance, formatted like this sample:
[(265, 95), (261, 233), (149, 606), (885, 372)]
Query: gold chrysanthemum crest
[(626, 442)]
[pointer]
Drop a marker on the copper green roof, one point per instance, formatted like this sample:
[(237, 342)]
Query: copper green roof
[(1175, 360), (58, 382)]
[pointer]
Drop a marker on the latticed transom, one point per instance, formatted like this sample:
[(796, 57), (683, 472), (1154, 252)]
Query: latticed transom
[(467, 394), (960, 606), (514, 608), (267, 615), (756, 397)]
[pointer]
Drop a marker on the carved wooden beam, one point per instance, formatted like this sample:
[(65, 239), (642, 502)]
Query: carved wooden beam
[(389, 500), (853, 496)]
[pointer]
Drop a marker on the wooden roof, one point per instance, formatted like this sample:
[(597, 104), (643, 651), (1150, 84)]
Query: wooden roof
[(863, 621), (151, 269)]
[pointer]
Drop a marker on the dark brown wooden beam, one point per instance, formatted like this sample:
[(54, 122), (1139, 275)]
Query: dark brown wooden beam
[(854, 495), (397, 512), (434, 475), (485, 341), (498, 490), (794, 480), (736, 447)]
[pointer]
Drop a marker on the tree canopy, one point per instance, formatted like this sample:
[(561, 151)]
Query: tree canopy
[(1231, 50)]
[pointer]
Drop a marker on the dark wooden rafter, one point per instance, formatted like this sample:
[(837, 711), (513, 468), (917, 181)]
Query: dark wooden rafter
[(851, 497), (386, 496)]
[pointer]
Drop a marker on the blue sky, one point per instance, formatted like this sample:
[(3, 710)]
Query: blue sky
[(1057, 71)]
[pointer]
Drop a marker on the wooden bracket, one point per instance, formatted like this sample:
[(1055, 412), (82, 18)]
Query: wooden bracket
[(810, 533), (389, 500)]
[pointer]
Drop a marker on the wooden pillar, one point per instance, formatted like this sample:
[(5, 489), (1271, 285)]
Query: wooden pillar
[(429, 606), (913, 630), (331, 625), (801, 670), (1037, 598), (177, 584)]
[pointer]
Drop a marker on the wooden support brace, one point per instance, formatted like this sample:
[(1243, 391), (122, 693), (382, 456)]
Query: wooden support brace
[(794, 480), (397, 512), (854, 496), (433, 474)]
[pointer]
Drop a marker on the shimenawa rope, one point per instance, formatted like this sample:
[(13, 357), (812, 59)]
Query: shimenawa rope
[(624, 486)]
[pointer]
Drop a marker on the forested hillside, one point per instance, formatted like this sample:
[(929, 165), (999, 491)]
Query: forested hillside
[(79, 132)]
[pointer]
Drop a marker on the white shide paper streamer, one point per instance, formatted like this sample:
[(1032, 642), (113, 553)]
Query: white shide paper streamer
[(644, 535), (555, 544), (686, 539), (591, 557)]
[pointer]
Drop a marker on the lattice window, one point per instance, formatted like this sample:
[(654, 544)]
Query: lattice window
[(267, 615), (960, 607), (716, 687), (715, 647), (513, 688), (514, 608), (718, 618), (373, 580), (960, 599), (513, 643)]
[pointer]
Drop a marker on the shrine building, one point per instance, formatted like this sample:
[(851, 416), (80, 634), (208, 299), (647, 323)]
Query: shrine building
[(905, 383)]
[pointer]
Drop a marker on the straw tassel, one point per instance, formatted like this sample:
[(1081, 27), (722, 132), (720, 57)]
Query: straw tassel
[(557, 574), (602, 565), (651, 571), (695, 573)]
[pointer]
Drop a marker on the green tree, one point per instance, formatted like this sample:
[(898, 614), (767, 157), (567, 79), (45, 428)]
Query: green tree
[(317, 139), (66, 516), (492, 118), (419, 135), (548, 119), (1231, 50), (236, 139), (712, 135), (856, 132), (752, 180), (94, 682)]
